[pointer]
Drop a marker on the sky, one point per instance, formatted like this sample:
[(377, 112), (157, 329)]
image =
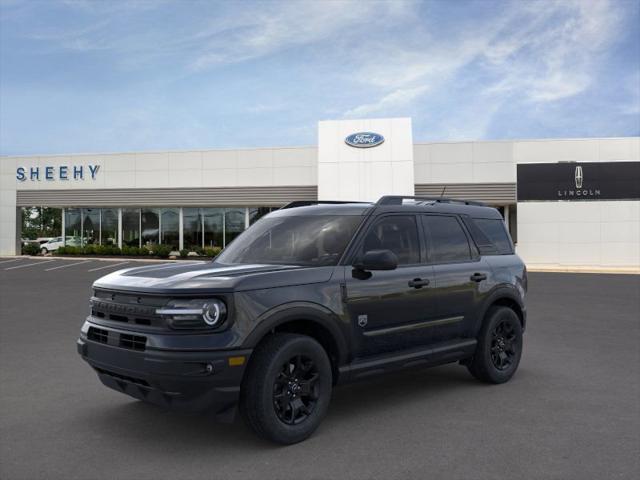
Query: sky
[(84, 76)]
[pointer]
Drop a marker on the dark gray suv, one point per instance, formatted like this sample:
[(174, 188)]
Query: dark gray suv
[(312, 295)]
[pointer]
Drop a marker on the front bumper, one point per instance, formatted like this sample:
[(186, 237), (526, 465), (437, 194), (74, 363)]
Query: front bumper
[(185, 380)]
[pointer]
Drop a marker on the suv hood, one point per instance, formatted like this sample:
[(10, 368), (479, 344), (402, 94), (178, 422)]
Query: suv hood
[(199, 277)]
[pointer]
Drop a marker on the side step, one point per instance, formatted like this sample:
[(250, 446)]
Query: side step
[(436, 354)]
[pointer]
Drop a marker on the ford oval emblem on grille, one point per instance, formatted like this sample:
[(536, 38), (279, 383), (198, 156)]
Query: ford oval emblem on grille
[(364, 139)]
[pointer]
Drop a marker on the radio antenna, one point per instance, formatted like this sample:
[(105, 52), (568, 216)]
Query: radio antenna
[(443, 190)]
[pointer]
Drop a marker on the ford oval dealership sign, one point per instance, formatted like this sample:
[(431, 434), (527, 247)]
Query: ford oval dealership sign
[(364, 139)]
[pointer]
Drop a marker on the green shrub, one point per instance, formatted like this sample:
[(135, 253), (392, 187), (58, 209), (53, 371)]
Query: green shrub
[(212, 251), (162, 251), (31, 249), (89, 250), (144, 251), (183, 253)]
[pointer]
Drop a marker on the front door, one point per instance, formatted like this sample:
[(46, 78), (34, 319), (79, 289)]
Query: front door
[(389, 309)]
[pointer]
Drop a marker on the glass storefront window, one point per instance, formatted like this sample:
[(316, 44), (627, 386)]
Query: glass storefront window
[(90, 226), (170, 227), (234, 222), (255, 213), (150, 219), (192, 228), (213, 227), (202, 227), (72, 227), (109, 226), (131, 227)]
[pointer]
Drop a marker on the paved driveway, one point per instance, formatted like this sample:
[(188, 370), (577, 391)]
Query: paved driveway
[(572, 411)]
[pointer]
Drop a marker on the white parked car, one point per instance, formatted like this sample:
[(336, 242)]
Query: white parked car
[(56, 242)]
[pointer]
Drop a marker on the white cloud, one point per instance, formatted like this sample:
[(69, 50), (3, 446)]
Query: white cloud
[(538, 51), (552, 57), (288, 25), (396, 99)]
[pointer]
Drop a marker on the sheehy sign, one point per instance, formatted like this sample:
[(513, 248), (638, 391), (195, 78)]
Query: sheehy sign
[(60, 172), (576, 181)]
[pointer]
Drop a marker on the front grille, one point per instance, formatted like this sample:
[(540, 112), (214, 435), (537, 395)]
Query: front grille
[(137, 381), (128, 308), (133, 342), (98, 335)]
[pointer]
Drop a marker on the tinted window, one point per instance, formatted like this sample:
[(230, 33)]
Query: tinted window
[(447, 240), (398, 234), (314, 240), (496, 232)]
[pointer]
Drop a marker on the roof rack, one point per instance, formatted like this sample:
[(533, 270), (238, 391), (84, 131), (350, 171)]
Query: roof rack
[(397, 200), (306, 203)]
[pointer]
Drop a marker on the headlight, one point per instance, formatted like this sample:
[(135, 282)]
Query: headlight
[(209, 313)]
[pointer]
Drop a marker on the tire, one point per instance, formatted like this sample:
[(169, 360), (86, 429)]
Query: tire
[(499, 347), (44, 251), (287, 388)]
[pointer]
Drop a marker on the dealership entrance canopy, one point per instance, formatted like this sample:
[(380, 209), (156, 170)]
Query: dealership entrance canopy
[(567, 202)]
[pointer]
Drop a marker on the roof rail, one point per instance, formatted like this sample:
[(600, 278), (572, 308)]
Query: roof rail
[(397, 200), (306, 203)]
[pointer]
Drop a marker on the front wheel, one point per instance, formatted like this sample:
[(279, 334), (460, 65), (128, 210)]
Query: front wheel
[(499, 347), (44, 251), (287, 388)]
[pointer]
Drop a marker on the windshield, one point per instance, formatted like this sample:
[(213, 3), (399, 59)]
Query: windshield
[(312, 240)]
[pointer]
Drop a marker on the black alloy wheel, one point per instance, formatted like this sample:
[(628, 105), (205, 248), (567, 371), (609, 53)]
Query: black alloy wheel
[(499, 346), (286, 389), (295, 390), (503, 345)]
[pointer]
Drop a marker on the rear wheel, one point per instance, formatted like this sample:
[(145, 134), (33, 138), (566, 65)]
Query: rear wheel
[(287, 388), (499, 347)]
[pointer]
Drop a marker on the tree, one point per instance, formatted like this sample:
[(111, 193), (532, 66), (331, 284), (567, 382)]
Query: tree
[(41, 222)]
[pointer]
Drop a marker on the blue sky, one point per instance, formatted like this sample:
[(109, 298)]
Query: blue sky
[(89, 76)]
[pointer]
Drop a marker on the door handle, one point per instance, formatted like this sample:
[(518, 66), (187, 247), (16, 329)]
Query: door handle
[(478, 277), (418, 283)]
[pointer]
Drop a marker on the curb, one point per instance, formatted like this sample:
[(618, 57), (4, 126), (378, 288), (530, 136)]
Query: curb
[(595, 270), (104, 259)]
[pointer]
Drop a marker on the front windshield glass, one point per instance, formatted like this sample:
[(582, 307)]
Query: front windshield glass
[(313, 240)]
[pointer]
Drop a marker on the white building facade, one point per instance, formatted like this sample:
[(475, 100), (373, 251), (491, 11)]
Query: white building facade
[(567, 202)]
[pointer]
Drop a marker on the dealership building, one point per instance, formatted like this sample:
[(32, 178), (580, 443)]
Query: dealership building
[(567, 202)]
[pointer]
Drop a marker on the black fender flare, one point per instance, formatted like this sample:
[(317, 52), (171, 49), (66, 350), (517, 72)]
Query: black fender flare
[(305, 311), (501, 292)]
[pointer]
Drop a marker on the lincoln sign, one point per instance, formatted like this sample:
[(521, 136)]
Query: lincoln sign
[(575, 181)]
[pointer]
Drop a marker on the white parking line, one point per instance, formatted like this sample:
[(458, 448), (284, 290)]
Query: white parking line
[(65, 266), (30, 264), (106, 266), (9, 261)]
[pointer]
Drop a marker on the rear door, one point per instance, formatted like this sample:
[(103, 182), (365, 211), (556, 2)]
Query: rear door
[(389, 310), (460, 274)]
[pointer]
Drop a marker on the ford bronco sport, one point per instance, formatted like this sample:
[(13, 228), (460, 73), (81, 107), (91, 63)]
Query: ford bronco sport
[(312, 295)]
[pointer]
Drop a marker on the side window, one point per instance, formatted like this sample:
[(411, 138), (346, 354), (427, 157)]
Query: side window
[(397, 233), (495, 230), (447, 240)]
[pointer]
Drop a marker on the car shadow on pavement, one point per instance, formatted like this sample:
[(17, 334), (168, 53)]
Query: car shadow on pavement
[(149, 426)]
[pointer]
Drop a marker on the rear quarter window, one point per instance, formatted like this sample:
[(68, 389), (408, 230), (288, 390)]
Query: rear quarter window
[(495, 231)]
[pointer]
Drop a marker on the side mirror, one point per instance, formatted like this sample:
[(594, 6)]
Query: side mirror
[(377, 260)]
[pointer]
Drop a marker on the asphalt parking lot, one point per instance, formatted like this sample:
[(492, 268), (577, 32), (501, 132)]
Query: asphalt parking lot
[(572, 411)]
